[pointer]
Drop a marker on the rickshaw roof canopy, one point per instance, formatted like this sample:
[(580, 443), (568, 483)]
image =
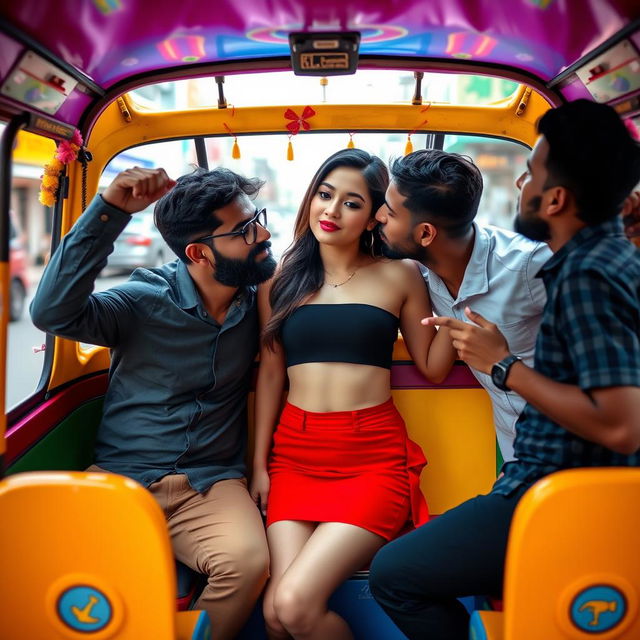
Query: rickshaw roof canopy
[(112, 42)]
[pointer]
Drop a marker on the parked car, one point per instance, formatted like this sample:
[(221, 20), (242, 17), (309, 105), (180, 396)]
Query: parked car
[(18, 282), (139, 245)]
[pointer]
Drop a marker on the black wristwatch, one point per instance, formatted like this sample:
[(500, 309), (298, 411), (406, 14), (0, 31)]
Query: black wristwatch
[(500, 371)]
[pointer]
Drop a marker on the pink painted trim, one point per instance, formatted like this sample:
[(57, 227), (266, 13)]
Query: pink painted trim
[(35, 425), (407, 376)]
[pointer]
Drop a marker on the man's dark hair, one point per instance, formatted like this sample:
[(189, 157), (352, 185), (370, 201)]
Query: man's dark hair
[(592, 154), (441, 188), (188, 211)]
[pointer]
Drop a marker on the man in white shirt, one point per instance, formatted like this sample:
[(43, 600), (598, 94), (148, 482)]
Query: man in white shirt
[(428, 215)]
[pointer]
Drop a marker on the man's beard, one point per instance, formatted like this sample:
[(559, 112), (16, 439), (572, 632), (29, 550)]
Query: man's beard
[(233, 272), (395, 252), (533, 227)]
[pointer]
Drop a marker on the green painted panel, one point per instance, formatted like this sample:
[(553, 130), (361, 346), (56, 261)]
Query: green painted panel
[(68, 447)]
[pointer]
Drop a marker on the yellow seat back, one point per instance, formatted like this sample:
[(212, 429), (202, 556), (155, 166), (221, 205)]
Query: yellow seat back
[(573, 560), (83, 555)]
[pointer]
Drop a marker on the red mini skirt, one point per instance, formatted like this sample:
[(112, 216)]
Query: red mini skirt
[(357, 467)]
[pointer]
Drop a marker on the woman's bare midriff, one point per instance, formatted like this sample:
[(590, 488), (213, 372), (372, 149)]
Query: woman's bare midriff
[(337, 386)]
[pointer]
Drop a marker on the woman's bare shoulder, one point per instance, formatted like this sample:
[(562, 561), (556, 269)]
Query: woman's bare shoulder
[(399, 269)]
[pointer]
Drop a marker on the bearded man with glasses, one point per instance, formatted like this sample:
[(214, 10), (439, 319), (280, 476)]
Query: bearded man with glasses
[(183, 339), (234, 271)]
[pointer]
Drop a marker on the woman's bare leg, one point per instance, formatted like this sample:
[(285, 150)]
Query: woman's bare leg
[(286, 538), (332, 554)]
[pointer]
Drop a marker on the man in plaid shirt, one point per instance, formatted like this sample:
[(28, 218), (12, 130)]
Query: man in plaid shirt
[(583, 393)]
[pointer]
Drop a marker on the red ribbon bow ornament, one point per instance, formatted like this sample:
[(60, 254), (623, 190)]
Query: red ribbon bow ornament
[(298, 121)]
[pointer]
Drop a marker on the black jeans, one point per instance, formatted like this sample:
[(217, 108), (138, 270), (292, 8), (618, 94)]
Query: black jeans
[(417, 578)]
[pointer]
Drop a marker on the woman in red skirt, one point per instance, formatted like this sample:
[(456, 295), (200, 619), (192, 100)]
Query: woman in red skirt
[(339, 477)]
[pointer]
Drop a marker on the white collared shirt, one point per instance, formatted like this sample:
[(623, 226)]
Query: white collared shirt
[(499, 283)]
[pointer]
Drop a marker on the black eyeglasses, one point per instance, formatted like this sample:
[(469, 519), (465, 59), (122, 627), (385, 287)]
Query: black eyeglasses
[(249, 231)]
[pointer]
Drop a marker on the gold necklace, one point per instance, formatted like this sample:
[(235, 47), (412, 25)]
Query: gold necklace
[(335, 286)]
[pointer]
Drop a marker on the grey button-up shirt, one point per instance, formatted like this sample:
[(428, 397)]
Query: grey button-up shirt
[(500, 284), (178, 381)]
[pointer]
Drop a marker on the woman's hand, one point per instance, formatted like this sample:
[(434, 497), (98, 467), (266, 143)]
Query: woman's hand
[(259, 489)]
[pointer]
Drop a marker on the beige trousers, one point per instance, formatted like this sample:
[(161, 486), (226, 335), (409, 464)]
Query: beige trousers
[(220, 534)]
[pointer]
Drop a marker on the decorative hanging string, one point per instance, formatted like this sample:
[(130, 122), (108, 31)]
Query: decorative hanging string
[(235, 150), (350, 144), (297, 122), (66, 153), (408, 148)]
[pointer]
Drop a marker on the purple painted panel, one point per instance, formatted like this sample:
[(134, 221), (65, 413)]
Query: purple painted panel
[(407, 376), (11, 51), (112, 39), (73, 107), (575, 90)]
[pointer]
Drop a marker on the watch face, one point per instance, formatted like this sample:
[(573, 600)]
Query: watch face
[(500, 371), (497, 375)]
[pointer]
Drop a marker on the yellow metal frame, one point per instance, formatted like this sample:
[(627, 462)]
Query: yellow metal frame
[(123, 124), (4, 318)]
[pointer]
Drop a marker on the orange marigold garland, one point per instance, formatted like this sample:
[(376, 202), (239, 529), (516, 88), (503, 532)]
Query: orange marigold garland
[(66, 153)]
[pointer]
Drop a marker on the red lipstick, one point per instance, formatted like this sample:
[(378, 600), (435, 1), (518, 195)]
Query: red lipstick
[(325, 225)]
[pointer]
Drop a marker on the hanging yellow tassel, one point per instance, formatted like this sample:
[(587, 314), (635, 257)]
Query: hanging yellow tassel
[(350, 144), (235, 151), (289, 150), (408, 148)]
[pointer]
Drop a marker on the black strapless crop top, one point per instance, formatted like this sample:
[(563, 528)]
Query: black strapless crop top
[(354, 333)]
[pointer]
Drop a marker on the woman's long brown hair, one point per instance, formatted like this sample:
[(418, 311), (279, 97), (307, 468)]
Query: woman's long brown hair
[(301, 273)]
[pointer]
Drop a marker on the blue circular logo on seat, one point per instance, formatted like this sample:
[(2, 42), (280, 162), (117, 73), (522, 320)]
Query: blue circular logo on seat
[(84, 608), (598, 608)]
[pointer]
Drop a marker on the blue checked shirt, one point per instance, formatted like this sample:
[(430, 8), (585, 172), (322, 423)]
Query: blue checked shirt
[(589, 337), (178, 382)]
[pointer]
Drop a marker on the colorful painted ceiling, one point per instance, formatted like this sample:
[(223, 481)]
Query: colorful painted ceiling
[(112, 40)]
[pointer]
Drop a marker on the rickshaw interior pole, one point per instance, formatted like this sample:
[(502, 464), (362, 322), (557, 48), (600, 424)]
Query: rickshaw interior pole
[(222, 101), (417, 94), (201, 153)]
